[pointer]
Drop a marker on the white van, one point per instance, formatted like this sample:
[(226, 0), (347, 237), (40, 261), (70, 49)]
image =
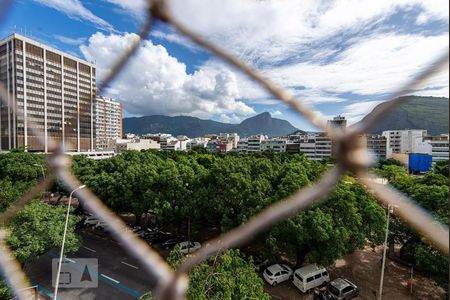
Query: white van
[(309, 277)]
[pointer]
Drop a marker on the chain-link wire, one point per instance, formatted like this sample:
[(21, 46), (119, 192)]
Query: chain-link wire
[(350, 152)]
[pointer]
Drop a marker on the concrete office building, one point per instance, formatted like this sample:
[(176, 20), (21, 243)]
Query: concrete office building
[(439, 146), (406, 141), (108, 122), (337, 122), (49, 87)]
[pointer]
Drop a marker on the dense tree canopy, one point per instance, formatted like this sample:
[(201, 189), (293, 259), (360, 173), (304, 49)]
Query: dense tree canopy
[(225, 191), (37, 228), (224, 277)]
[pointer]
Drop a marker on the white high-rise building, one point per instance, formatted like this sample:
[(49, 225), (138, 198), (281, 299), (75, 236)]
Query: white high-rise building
[(108, 122), (254, 143), (406, 141), (439, 146), (53, 89)]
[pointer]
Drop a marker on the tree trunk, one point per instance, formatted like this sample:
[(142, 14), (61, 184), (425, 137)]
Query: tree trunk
[(301, 255)]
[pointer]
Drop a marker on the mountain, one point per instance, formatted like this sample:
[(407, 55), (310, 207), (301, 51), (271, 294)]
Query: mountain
[(194, 127), (415, 112)]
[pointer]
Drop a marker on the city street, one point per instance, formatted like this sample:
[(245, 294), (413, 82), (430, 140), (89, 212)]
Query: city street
[(119, 276)]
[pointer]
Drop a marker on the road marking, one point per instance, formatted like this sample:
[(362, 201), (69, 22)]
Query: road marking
[(92, 250), (113, 280), (70, 260), (129, 265)]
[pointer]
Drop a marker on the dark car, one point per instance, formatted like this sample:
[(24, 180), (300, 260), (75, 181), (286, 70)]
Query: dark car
[(169, 244), (260, 263), (319, 294), (158, 237)]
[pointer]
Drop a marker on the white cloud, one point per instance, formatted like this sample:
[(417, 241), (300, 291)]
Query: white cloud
[(75, 10), (276, 113), (272, 31), (230, 118), (70, 41), (156, 83), (175, 37), (375, 65), (136, 7), (356, 111)]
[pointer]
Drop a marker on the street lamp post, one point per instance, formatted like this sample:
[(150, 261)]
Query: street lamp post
[(55, 294), (389, 210)]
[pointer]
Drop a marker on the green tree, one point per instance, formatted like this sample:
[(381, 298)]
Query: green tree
[(223, 277), (430, 192), (328, 231), (441, 167), (37, 228)]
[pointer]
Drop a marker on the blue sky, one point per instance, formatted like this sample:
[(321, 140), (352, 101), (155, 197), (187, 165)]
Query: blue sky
[(338, 57)]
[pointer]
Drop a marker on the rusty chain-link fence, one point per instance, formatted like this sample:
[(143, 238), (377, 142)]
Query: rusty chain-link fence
[(351, 156)]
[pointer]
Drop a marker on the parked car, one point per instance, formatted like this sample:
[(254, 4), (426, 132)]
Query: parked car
[(189, 247), (101, 225), (342, 289), (259, 262), (321, 294), (169, 244), (309, 277), (277, 273), (158, 237), (91, 220)]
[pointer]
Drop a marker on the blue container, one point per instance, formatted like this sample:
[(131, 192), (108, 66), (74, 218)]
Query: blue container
[(418, 162)]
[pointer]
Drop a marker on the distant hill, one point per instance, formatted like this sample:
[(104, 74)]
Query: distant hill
[(194, 127), (430, 113)]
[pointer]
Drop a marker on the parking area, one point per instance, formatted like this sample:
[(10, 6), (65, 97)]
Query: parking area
[(361, 267)]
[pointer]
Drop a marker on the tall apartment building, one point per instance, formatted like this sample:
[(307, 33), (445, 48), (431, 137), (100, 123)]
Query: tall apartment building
[(315, 145), (108, 122), (254, 143), (49, 87), (439, 146), (242, 146), (406, 141), (277, 145), (337, 122), (376, 145)]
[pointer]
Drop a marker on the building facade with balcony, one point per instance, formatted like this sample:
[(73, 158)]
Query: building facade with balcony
[(406, 141), (108, 122), (277, 145), (53, 89), (439, 147)]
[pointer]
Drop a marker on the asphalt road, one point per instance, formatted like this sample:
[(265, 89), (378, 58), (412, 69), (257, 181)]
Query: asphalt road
[(119, 276)]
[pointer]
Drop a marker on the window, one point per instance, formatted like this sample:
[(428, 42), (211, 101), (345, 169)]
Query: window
[(347, 289), (277, 274), (332, 289), (299, 277), (309, 279), (325, 273), (318, 276)]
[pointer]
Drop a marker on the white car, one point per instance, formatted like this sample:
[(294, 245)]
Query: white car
[(101, 225), (277, 273), (189, 247), (91, 220)]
